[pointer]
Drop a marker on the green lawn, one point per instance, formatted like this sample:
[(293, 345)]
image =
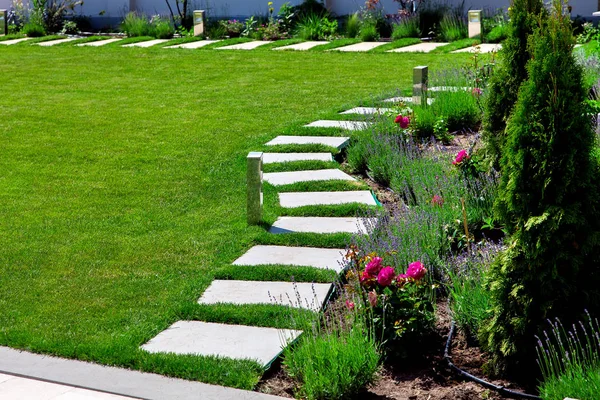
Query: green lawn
[(122, 185)]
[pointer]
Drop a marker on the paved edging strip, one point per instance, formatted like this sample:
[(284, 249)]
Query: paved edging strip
[(115, 380)]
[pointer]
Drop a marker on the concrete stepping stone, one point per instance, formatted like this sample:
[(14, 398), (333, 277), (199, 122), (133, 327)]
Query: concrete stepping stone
[(483, 48), (347, 125), (449, 89), (300, 46), (300, 199), (13, 41), (424, 47), (362, 46), (272, 158), (147, 43), (368, 110), (298, 256), (193, 45), (55, 42), (405, 100), (288, 178), (99, 43), (233, 341), (245, 46), (333, 141), (309, 296), (320, 225)]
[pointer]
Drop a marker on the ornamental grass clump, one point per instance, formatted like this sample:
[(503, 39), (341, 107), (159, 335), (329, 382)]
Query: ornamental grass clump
[(547, 203)]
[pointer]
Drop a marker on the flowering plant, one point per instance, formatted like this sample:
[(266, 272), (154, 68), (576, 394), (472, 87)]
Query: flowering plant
[(466, 163), (234, 27), (400, 304), (402, 120)]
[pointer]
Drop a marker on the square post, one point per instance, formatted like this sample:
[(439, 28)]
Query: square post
[(475, 23), (199, 22), (3, 22), (254, 181), (420, 78)]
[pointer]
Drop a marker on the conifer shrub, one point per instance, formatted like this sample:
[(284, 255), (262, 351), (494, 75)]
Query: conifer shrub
[(504, 85), (547, 203)]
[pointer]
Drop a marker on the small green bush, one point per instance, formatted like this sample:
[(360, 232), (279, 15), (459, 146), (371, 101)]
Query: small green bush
[(406, 28), (369, 32), (315, 27), (497, 34), (452, 28), (424, 123), (34, 29), (460, 109), (333, 363), (353, 26), (163, 28), (136, 25)]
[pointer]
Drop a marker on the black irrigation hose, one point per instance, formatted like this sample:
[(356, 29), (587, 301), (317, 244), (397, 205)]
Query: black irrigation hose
[(500, 389)]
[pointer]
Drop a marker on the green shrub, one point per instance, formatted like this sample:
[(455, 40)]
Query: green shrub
[(497, 34), (368, 32), (459, 108), (333, 362), (505, 82), (34, 29), (315, 27), (163, 28), (353, 26), (136, 25), (452, 28), (546, 202), (424, 122), (406, 28)]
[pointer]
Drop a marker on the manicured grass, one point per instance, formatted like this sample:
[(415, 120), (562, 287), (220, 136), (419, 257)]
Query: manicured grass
[(457, 45), (123, 192)]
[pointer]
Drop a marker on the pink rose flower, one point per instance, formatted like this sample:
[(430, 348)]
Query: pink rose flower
[(402, 121), (437, 200), (476, 92), (386, 276), (460, 157), (416, 270), (350, 305), (374, 266), (373, 298)]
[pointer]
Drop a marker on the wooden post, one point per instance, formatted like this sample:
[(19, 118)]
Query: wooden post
[(254, 188)]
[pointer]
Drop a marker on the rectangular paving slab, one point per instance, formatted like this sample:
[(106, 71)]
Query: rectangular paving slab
[(13, 41), (232, 341), (99, 43), (425, 47), (300, 199), (288, 178), (299, 256), (333, 141), (482, 48), (321, 225), (245, 46), (347, 125), (55, 42), (147, 43), (405, 100), (301, 46), (193, 45), (294, 294), (368, 110), (362, 46), (271, 158)]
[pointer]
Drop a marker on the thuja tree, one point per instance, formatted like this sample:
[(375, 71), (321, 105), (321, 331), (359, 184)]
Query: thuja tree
[(504, 85), (547, 201)]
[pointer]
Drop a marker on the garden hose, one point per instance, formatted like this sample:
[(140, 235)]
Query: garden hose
[(500, 389)]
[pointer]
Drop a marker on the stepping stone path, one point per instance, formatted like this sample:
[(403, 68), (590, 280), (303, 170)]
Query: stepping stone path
[(288, 178), (301, 46), (320, 225), (425, 47), (147, 43), (13, 41), (209, 339), (310, 296), (265, 344), (193, 45), (245, 46), (332, 141), (55, 42), (482, 48), (271, 158), (99, 43), (361, 47), (367, 110), (347, 125)]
